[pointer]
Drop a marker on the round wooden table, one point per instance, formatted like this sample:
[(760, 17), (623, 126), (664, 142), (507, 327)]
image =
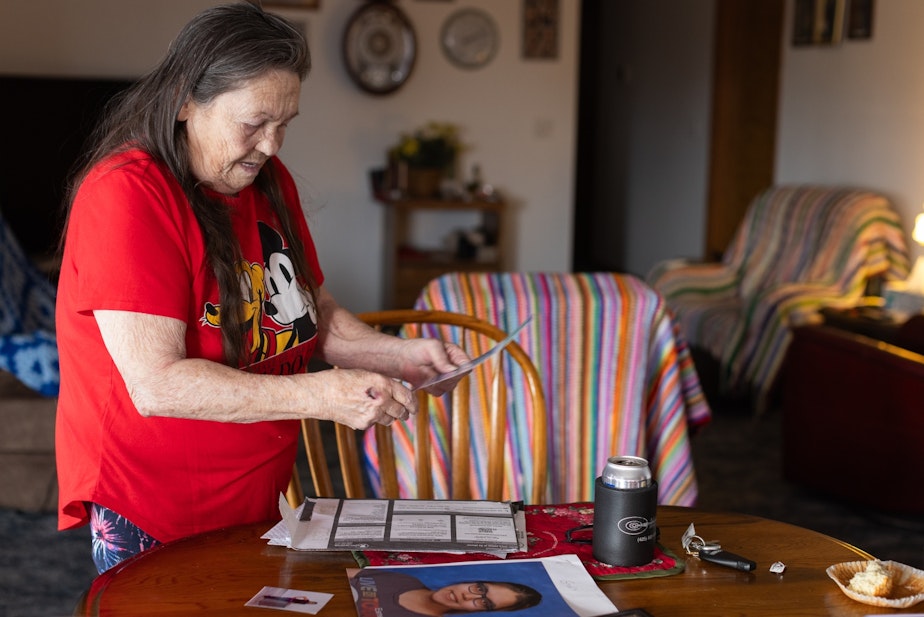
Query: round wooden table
[(217, 572)]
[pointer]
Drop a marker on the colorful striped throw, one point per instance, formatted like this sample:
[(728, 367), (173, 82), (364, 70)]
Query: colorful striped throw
[(617, 378), (798, 249)]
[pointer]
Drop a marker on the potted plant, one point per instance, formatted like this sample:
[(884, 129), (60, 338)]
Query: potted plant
[(429, 153)]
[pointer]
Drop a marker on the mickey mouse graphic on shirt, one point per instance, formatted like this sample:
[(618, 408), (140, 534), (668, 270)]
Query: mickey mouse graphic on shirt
[(278, 311)]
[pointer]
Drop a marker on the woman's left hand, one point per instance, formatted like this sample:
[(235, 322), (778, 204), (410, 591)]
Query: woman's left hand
[(422, 359)]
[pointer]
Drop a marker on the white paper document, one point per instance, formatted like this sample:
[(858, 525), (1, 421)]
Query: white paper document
[(321, 524)]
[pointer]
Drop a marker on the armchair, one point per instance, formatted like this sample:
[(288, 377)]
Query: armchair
[(799, 248)]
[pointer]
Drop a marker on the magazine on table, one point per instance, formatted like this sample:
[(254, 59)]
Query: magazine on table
[(551, 587)]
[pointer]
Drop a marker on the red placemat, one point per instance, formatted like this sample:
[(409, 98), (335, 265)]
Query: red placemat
[(546, 527)]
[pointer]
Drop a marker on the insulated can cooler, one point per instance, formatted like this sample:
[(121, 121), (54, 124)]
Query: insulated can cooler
[(625, 512)]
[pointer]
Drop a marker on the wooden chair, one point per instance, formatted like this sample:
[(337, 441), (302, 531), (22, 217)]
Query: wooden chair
[(617, 378), (488, 380)]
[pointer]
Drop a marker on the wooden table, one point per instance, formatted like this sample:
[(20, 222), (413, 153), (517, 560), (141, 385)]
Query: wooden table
[(217, 572)]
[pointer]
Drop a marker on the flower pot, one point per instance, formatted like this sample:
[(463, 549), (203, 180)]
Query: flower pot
[(424, 182)]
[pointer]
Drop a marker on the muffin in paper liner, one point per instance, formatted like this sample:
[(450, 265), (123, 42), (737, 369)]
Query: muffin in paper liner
[(907, 583)]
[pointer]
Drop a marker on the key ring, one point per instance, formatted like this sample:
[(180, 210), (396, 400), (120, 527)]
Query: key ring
[(691, 542), (694, 545), (712, 552)]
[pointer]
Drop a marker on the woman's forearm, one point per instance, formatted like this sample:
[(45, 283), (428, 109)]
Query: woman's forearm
[(346, 341), (149, 353)]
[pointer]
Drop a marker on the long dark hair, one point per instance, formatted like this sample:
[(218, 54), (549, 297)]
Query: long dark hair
[(527, 597), (216, 52)]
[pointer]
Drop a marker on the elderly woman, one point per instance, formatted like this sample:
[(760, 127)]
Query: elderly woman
[(191, 300)]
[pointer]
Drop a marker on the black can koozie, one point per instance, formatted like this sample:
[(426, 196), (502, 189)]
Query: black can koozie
[(625, 524)]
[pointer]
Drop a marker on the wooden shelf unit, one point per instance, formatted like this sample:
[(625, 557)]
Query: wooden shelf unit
[(407, 270)]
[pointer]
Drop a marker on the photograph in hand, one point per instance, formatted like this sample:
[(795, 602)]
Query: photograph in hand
[(467, 368)]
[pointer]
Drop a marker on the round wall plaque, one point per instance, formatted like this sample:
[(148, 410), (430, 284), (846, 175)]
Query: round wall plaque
[(469, 38), (379, 47)]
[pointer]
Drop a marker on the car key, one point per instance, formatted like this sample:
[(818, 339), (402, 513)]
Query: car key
[(729, 560)]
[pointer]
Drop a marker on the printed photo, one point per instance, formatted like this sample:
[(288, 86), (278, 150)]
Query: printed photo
[(520, 588)]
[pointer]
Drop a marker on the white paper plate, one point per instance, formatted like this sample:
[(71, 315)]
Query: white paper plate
[(907, 583)]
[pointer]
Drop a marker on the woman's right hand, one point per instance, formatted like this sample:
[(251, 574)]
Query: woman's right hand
[(359, 398)]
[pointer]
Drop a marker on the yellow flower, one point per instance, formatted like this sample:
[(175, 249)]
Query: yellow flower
[(409, 148), (436, 144)]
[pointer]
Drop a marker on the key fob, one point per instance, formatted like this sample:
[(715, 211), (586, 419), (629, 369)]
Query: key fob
[(729, 560)]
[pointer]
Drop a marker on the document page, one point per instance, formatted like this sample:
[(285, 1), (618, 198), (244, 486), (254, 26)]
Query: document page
[(400, 524)]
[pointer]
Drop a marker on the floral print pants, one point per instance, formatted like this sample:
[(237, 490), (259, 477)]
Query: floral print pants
[(115, 538)]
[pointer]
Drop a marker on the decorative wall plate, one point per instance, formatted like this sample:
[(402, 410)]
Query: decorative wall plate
[(470, 38), (379, 47)]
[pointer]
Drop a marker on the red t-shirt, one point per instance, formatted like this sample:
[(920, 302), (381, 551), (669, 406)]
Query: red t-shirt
[(133, 244)]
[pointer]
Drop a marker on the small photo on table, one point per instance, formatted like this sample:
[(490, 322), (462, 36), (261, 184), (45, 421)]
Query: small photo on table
[(292, 600)]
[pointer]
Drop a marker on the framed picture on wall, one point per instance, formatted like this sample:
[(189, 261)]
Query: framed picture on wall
[(540, 29), (860, 19), (818, 22)]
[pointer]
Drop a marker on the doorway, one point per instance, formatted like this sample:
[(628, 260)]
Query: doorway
[(730, 95)]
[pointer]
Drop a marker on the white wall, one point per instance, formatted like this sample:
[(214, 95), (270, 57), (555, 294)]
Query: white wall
[(854, 113), (517, 115)]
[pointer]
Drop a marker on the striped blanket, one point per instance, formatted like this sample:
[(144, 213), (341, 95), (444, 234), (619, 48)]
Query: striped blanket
[(798, 249), (617, 379)]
